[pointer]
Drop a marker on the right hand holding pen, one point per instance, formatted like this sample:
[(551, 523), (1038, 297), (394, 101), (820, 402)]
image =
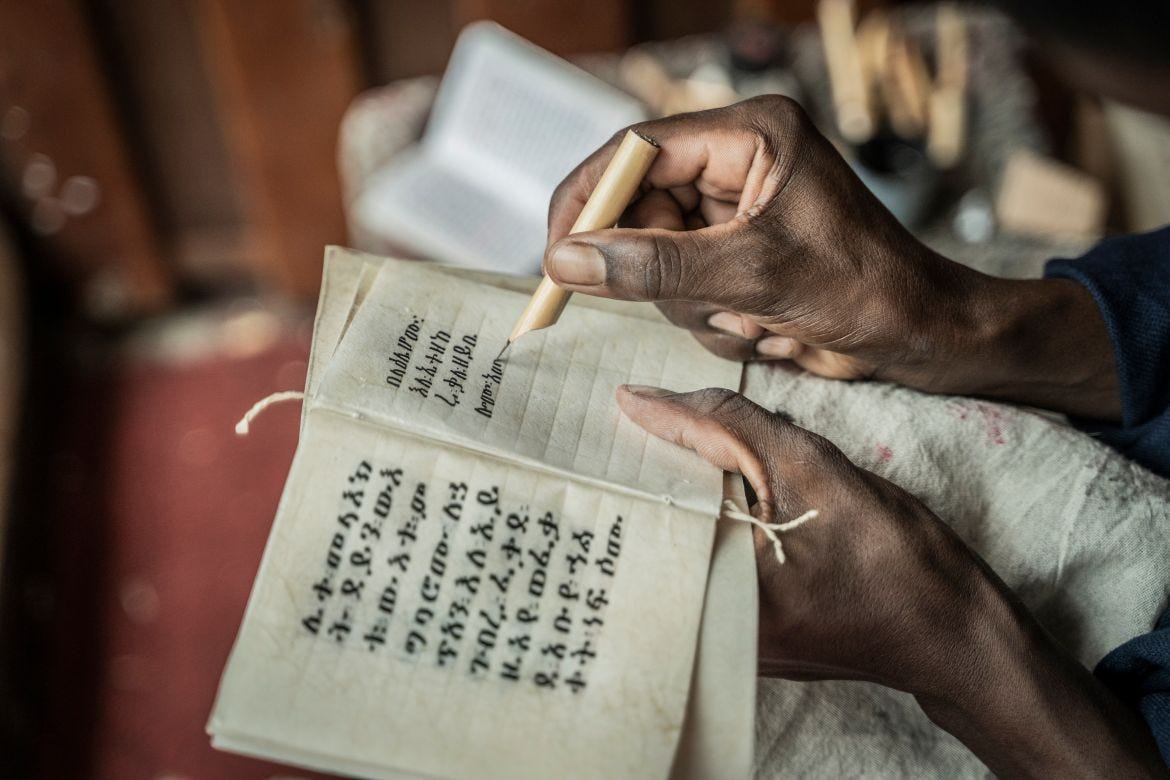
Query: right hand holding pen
[(749, 211), (752, 232)]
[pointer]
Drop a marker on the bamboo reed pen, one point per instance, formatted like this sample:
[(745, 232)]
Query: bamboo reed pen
[(614, 191)]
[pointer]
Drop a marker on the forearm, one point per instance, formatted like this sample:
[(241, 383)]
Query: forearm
[(1028, 709), (1040, 342)]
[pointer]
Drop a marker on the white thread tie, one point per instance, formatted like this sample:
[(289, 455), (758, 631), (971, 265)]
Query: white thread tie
[(732, 512), (250, 415)]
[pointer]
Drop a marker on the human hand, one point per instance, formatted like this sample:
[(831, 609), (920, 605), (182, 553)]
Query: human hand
[(752, 232), (755, 234), (877, 588)]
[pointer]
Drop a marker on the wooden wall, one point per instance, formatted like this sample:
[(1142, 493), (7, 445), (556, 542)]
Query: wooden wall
[(207, 128)]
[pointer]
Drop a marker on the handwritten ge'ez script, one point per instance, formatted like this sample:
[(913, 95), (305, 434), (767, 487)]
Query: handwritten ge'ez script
[(495, 590), (441, 368)]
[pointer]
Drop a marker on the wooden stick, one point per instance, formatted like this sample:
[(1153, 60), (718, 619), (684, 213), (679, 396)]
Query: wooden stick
[(908, 91), (854, 120), (952, 47), (948, 101), (614, 191), (948, 117), (873, 39)]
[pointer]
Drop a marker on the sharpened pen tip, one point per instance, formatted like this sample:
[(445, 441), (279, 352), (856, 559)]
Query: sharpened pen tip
[(502, 351)]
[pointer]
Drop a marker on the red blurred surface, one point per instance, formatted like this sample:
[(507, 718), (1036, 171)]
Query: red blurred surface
[(164, 565)]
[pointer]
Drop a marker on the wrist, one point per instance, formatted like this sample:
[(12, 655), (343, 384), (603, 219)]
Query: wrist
[(1027, 708), (1037, 341), (985, 696)]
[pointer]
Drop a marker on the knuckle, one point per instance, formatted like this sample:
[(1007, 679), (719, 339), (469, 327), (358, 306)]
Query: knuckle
[(776, 110), (776, 104), (561, 191), (709, 400), (789, 111), (676, 268), (662, 270), (725, 406), (784, 132), (690, 256)]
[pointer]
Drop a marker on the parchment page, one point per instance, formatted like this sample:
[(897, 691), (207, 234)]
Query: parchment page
[(421, 353), (347, 278), (717, 737), (442, 612)]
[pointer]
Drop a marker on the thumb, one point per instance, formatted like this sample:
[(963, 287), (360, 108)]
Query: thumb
[(724, 428), (649, 264)]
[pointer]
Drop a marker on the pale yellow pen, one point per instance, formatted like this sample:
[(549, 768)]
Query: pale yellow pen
[(614, 191)]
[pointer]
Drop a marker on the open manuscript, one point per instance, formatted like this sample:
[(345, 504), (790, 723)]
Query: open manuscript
[(480, 568)]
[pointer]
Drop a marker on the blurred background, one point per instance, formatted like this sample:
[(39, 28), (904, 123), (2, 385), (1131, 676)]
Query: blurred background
[(170, 171)]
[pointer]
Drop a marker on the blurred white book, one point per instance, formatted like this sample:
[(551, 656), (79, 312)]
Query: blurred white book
[(509, 122)]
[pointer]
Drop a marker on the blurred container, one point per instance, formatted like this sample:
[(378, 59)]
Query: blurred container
[(900, 175)]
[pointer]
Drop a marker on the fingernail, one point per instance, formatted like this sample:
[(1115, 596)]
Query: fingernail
[(726, 322), (578, 263), (656, 392), (776, 346)]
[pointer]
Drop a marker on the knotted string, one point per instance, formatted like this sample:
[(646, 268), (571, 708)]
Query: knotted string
[(732, 512), (288, 395)]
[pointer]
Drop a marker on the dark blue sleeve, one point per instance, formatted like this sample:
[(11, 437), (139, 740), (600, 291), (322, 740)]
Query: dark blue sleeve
[(1129, 278), (1139, 673)]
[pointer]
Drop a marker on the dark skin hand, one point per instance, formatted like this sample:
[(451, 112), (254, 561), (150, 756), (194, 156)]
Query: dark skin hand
[(877, 588), (753, 233)]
